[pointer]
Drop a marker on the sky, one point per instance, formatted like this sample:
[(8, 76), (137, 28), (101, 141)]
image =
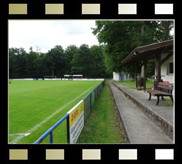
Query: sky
[(46, 34)]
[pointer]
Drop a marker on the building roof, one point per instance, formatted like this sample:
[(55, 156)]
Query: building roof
[(148, 51)]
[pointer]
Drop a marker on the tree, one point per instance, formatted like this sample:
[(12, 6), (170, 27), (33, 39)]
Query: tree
[(82, 61), (68, 54), (115, 35), (30, 64), (55, 61), (121, 37), (163, 30), (12, 63), (40, 66), (98, 67), (17, 62)]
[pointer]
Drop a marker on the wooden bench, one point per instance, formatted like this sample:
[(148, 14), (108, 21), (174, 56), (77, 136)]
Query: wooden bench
[(163, 89)]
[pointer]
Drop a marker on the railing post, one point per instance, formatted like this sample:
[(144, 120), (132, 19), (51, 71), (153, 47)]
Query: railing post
[(68, 130), (94, 95), (91, 101), (51, 138)]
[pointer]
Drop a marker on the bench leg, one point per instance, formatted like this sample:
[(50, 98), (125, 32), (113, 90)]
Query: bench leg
[(171, 99), (162, 97), (157, 100), (149, 96)]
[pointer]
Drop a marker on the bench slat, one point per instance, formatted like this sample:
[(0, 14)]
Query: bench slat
[(167, 84), (158, 93), (165, 87)]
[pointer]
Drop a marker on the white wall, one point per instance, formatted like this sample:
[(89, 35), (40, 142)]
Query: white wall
[(116, 76), (166, 76)]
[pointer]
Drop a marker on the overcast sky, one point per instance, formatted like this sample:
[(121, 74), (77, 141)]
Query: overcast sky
[(46, 34)]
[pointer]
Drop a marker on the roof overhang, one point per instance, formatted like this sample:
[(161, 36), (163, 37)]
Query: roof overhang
[(149, 51)]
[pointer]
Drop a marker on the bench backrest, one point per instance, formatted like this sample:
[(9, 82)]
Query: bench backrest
[(168, 86)]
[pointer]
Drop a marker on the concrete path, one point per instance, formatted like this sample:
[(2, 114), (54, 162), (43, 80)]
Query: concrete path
[(164, 111), (139, 128), (161, 114)]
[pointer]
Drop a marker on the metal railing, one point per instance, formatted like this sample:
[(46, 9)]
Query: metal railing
[(88, 103), (90, 99), (50, 131)]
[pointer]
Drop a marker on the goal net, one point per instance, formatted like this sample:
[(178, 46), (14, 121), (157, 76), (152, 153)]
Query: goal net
[(49, 77), (73, 77)]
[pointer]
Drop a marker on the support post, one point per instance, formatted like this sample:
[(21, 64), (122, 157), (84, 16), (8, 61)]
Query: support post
[(158, 61), (94, 94), (68, 130), (136, 74), (144, 75), (91, 101), (51, 138)]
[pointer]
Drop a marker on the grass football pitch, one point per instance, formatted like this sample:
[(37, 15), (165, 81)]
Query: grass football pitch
[(35, 106)]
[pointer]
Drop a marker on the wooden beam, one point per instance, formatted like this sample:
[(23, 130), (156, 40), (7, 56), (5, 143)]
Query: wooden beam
[(144, 56), (144, 74), (140, 66), (166, 58), (158, 61), (136, 74)]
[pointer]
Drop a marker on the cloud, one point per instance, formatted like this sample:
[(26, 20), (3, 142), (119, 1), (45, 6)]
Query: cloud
[(49, 33)]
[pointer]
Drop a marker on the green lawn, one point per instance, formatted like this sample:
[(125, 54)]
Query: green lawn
[(102, 124), (32, 102), (132, 84)]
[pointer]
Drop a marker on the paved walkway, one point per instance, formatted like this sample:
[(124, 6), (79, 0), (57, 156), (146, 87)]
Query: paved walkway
[(161, 114), (139, 128)]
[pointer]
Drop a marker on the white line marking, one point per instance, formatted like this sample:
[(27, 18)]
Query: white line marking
[(44, 121), (19, 134)]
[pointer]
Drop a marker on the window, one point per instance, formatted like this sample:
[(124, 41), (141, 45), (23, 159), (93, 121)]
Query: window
[(170, 68)]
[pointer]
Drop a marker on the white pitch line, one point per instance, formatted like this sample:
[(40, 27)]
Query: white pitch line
[(44, 121), (19, 134)]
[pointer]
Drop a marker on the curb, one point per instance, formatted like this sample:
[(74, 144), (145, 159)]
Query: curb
[(121, 122)]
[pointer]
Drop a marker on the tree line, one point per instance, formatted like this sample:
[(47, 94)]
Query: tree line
[(117, 39), (57, 62)]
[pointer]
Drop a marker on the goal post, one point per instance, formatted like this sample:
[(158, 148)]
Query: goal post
[(49, 77), (73, 76)]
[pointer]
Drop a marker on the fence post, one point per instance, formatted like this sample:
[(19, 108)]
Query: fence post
[(91, 101), (51, 138), (68, 130), (94, 95), (97, 91)]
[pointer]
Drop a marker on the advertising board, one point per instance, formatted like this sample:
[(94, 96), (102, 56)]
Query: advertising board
[(76, 122)]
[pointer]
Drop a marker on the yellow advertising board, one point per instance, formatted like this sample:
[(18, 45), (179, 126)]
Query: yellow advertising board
[(76, 121), (75, 113)]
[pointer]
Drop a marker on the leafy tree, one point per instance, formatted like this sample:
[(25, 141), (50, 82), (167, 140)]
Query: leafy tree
[(68, 54), (40, 66), (17, 63), (82, 61), (121, 37), (55, 61), (115, 35), (163, 30), (30, 65), (12, 63), (98, 67)]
